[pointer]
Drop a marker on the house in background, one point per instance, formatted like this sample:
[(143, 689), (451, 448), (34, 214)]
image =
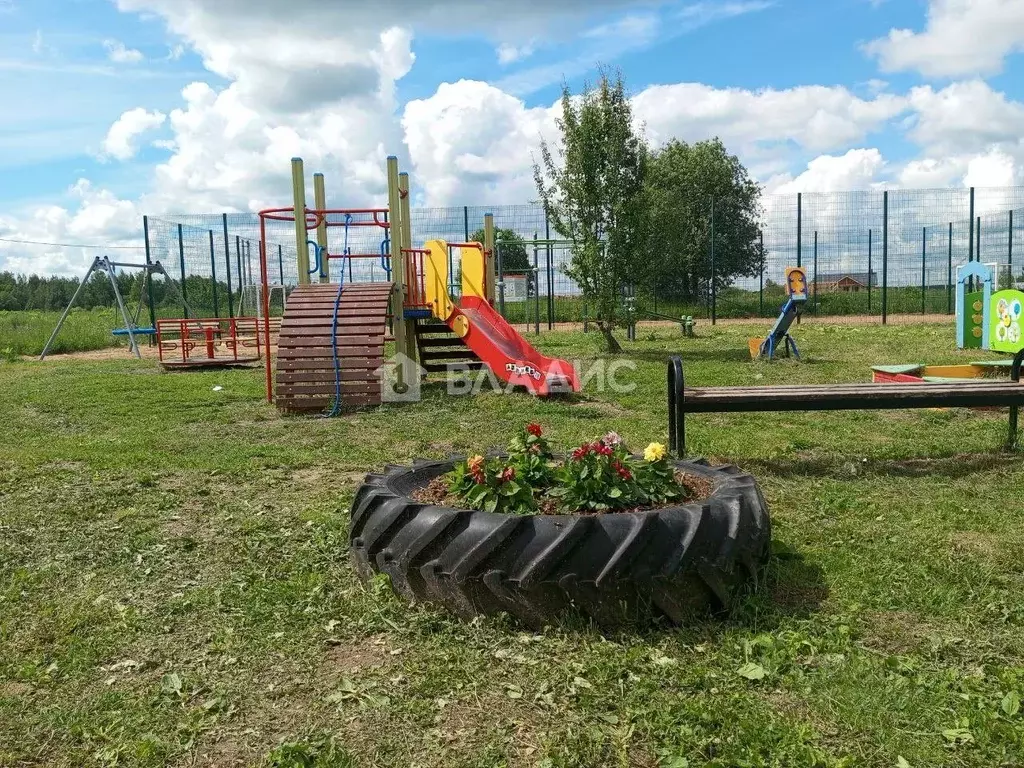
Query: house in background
[(845, 282)]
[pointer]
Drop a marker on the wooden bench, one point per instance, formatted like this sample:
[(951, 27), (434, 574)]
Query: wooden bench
[(837, 397)]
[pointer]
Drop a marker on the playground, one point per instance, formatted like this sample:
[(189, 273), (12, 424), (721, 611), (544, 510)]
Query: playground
[(178, 590), (241, 541)]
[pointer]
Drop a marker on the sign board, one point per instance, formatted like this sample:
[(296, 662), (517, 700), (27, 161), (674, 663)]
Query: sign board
[(515, 288)]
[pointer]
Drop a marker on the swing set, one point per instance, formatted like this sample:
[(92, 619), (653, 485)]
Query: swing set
[(131, 328), (181, 343)]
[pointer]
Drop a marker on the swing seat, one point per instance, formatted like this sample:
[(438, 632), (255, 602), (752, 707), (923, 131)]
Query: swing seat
[(134, 331)]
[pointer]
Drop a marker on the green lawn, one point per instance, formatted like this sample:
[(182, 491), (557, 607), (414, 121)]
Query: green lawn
[(175, 588)]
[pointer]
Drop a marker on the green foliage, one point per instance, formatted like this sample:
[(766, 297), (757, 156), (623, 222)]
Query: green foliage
[(686, 183), (595, 196), (515, 259), (321, 752), (598, 476), (491, 485)]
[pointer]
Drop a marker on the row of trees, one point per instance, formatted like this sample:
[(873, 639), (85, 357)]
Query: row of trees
[(32, 292), (641, 217)]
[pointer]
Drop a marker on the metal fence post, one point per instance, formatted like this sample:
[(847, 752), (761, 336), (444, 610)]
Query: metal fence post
[(465, 221), (871, 278), (241, 274), (949, 272), (550, 270), (760, 289), (280, 263), (149, 277), (977, 247), (184, 289), (536, 286), (500, 265), (924, 266), (799, 227), (1009, 250), (213, 275), (970, 226), (885, 255), (815, 271), (227, 263), (714, 289)]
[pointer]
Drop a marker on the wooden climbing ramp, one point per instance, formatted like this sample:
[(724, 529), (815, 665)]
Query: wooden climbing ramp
[(305, 359)]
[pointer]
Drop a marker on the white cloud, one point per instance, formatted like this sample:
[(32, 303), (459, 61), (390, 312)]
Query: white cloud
[(961, 37), (118, 53), (817, 118), (509, 53), (964, 117), (994, 169), (121, 140), (100, 218), (857, 169), (473, 141)]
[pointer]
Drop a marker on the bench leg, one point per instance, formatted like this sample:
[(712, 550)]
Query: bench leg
[(1012, 438)]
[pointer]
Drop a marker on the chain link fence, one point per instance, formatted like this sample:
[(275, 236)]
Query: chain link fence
[(866, 253)]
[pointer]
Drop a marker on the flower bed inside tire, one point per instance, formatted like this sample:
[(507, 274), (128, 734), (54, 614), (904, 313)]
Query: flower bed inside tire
[(619, 568)]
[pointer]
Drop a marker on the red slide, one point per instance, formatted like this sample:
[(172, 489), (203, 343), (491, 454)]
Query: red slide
[(508, 354)]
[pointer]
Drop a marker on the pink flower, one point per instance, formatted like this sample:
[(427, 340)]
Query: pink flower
[(612, 438), (508, 474)]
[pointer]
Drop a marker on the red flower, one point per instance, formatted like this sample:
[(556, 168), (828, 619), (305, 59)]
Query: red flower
[(601, 449), (582, 451), (622, 470), (534, 429), (508, 474)]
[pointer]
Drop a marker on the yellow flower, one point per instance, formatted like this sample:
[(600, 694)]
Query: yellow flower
[(654, 452)]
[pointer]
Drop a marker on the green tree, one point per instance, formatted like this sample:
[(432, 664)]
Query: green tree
[(595, 195), (515, 260), (684, 182)]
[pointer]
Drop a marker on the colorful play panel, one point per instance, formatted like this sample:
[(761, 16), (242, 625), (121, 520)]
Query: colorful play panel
[(987, 319)]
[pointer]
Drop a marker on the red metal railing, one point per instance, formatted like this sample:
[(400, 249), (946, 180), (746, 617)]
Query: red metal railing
[(415, 281), (209, 341)]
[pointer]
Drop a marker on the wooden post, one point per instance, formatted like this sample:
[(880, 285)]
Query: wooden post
[(299, 207), (402, 344), (405, 217), (320, 201)]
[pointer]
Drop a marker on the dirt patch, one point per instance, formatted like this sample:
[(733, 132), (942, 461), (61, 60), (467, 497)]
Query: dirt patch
[(365, 654), (15, 690), (795, 708), (984, 546), (897, 632), (471, 722)]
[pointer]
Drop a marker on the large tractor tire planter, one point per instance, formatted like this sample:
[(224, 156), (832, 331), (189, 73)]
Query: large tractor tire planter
[(618, 568)]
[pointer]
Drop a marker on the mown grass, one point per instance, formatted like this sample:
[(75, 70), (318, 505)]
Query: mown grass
[(175, 589)]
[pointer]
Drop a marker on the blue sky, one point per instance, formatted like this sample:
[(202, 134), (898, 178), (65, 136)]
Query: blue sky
[(811, 94)]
